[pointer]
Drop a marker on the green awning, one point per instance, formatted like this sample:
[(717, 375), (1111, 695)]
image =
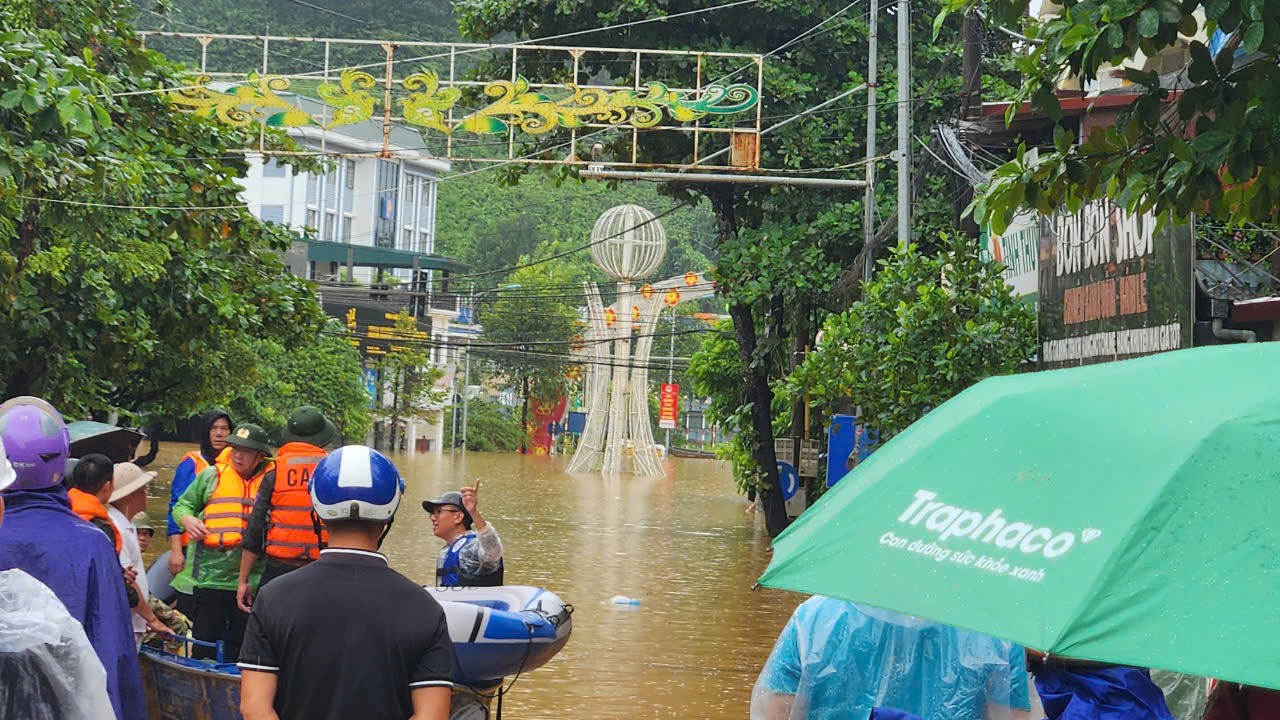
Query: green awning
[(369, 256)]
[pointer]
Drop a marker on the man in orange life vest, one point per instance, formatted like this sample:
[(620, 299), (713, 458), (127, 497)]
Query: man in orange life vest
[(214, 512), (283, 525)]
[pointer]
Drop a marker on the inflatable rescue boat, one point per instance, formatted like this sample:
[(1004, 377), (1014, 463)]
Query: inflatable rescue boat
[(497, 632)]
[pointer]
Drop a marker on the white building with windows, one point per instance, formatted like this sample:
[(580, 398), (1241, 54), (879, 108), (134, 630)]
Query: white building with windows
[(369, 225), (360, 199)]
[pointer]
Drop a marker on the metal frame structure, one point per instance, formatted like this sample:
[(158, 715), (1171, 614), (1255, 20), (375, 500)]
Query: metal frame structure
[(240, 95)]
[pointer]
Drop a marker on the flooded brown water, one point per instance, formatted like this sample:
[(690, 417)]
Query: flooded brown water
[(682, 545)]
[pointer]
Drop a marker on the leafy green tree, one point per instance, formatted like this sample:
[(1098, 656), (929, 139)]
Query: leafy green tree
[(926, 327), (408, 376), (326, 374), (490, 428), (131, 278), (716, 372), (1212, 148), (529, 328)]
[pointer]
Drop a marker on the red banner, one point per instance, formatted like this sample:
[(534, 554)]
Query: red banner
[(668, 406)]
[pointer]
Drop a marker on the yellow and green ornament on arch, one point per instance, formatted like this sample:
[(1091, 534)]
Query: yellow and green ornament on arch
[(515, 106)]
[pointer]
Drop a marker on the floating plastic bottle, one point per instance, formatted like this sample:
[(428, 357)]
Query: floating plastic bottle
[(624, 600)]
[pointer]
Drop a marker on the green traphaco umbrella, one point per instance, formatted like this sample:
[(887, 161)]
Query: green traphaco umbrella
[(1123, 512)]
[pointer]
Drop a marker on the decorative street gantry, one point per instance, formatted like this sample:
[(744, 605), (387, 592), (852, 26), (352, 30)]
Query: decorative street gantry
[(628, 243), (441, 90), (429, 106)]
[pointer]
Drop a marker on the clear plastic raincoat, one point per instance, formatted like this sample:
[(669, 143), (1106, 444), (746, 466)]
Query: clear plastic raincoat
[(835, 659), (48, 669)]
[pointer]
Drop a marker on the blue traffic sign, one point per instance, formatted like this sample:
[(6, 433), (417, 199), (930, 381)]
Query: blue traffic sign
[(789, 479)]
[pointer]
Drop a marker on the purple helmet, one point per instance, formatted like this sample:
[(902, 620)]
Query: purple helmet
[(36, 441)]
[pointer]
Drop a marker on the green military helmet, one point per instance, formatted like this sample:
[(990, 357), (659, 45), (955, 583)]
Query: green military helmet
[(250, 437), (307, 424), (142, 521)]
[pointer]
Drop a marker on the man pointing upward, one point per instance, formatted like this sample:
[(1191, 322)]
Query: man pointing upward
[(471, 557)]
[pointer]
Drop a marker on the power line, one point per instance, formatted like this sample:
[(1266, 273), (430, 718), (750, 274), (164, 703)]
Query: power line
[(509, 344), (565, 292), (580, 248), (516, 344), (241, 42), (493, 351), (839, 108), (344, 16), (81, 203)]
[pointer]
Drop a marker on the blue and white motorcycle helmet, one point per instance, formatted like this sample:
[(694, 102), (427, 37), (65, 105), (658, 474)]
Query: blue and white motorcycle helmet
[(356, 482)]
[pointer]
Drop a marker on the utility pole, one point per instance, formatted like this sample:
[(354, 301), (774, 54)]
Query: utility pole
[(904, 123), (869, 199), (466, 373), (972, 35), (453, 409), (466, 396)]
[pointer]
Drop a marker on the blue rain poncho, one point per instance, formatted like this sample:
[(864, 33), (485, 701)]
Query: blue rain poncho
[(42, 537), (1105, 692), (837, 660)]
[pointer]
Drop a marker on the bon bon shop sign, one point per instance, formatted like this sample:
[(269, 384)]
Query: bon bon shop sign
[(1112, 286)]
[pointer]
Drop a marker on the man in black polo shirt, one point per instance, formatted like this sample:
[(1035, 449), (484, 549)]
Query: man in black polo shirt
[(346, 636)]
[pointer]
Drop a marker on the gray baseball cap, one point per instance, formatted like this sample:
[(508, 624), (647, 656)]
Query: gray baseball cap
[(452, 501)]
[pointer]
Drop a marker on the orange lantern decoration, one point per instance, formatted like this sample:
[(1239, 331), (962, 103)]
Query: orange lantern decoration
[(635, 313), (646, 291), (672, 297), (691, 278), (577, 342), (610, 316)]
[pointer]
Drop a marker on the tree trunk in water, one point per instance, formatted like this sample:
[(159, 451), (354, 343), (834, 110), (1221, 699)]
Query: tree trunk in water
[(760, 395), (524, 416), (758, 392)]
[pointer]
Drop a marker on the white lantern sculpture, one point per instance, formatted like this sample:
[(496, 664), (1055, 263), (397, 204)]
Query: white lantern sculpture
[(628, 243)]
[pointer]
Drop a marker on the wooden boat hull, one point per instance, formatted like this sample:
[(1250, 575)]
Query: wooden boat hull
[(182, 689), (688, 453)]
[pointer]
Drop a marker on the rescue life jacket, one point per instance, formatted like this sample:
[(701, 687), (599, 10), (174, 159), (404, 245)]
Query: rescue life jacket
[(449, 573), (201, 465), (91, 510), (293, 530), (226, 515)]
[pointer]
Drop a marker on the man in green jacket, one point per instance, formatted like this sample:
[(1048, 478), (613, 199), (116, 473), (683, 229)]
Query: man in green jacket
[(214, 511)]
